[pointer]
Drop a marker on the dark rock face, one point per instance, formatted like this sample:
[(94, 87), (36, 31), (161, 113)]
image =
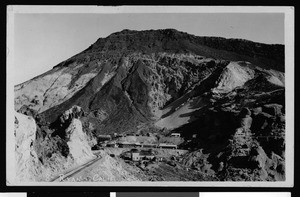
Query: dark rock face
[(171, 40), (133, 95), (227, 92)]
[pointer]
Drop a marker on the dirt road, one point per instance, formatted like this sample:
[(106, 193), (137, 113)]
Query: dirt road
[(73, 172)]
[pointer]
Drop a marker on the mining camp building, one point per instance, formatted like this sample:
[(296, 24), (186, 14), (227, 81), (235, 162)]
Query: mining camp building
[(175, 134), (171, 146), (137, 155)]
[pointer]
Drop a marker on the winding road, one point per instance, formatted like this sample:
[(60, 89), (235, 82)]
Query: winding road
[(78, 169)]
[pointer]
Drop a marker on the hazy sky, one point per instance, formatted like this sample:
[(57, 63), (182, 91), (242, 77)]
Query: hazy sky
[(44, 40)]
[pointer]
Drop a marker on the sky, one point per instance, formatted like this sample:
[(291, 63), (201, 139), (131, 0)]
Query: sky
[(43, 40)]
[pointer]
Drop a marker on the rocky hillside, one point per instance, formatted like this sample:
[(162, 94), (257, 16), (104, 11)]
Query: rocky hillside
[(163, 81), (41, 155)]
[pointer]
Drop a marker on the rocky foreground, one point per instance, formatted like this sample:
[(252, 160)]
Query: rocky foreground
[(226, 98)]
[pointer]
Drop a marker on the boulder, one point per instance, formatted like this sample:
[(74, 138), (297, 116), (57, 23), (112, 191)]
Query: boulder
[(258, 156), (256, 110), (276, 161), (221, 166), (206, 168), (246, 122), (262, 174)]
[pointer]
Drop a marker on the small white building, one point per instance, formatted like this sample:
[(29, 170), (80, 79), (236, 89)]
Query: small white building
[(135, 156), (141, 155), (170, 146), (175, 134)]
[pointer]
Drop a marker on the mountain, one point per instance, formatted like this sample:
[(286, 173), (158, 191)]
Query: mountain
[(116, 74), (165, 80)]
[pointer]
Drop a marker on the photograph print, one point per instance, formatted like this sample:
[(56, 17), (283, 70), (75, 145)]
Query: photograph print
[(156, 96)]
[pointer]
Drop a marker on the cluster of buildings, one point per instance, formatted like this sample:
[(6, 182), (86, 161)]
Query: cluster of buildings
[(107, 141), (139, 145), (116, 135)]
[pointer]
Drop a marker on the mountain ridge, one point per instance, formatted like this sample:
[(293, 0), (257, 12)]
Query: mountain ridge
[(131, 37), (99, 40)]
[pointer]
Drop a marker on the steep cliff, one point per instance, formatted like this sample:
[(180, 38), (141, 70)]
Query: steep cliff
[(27, 164)]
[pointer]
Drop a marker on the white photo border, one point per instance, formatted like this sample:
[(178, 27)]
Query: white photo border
[(289, 86)]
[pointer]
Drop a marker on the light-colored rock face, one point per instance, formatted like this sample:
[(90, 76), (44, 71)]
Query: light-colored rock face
[(233, 76), (26, 158), (236, 74), (28, 167), (77, 142), (60, 84), (51, 88), (276, 77)]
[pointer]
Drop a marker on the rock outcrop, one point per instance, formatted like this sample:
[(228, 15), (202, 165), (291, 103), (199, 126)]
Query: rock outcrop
[(198, 160), (27, 164), (249, 151), (54, 86), (77, 142), (234, 75), (41, 158)]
